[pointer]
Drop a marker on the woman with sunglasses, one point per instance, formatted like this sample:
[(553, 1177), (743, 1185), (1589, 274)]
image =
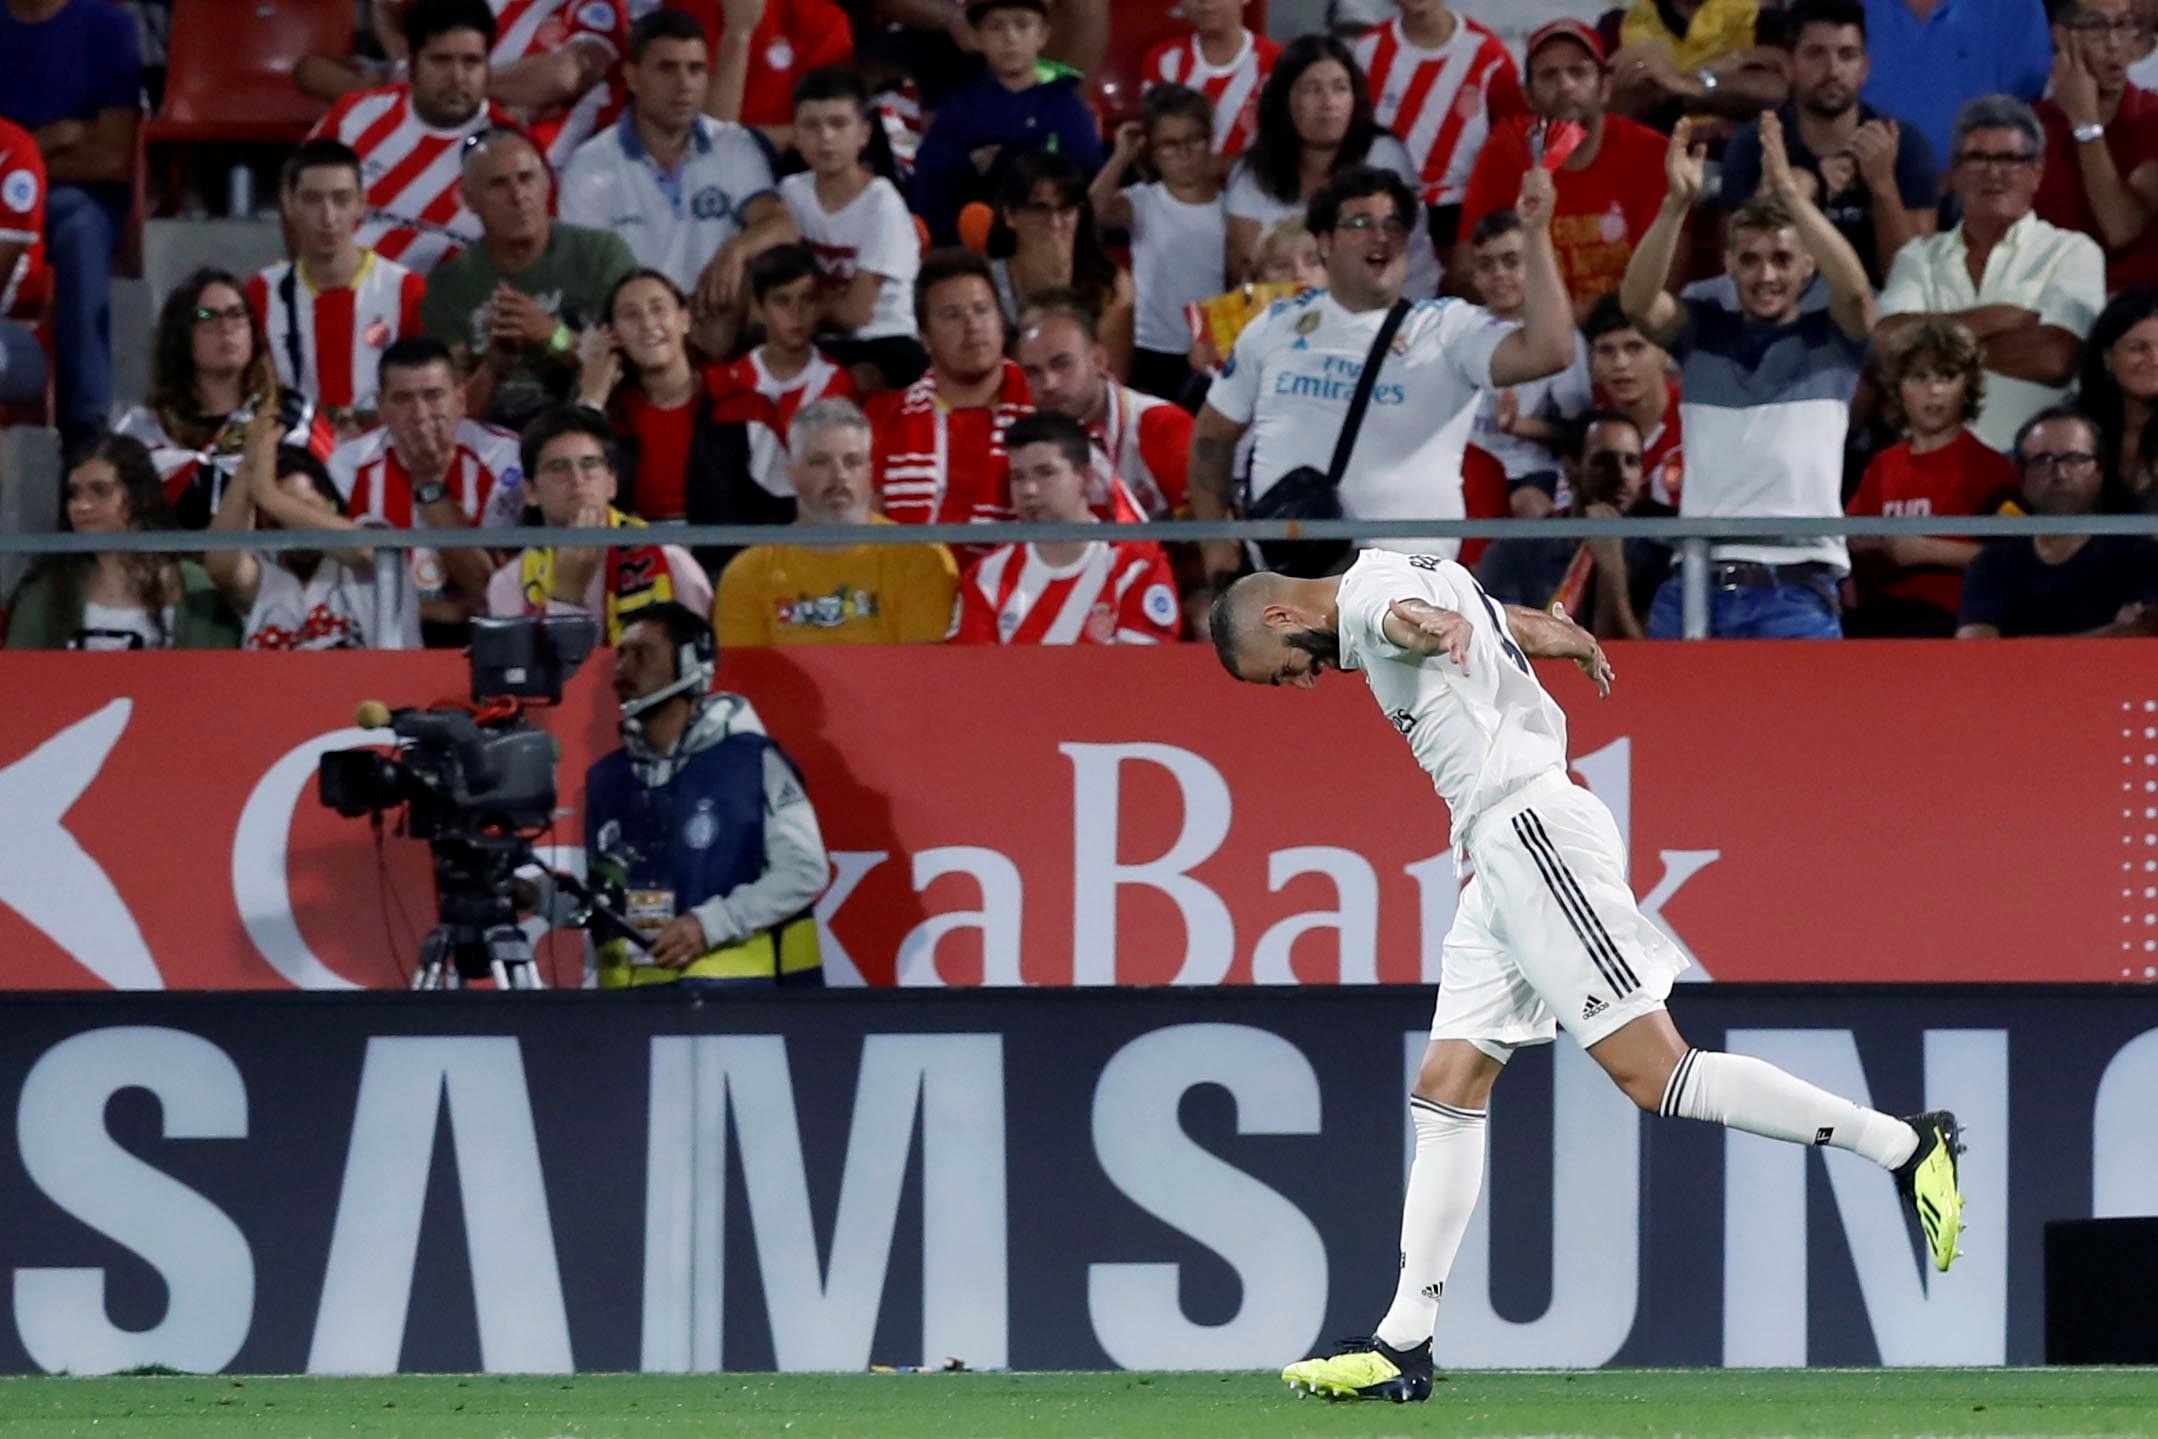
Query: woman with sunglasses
[(118, 600), (1044, 238), (1315, 120), (209, 372)]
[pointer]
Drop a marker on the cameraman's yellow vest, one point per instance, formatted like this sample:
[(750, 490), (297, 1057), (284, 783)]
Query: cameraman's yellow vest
[(788, 948)]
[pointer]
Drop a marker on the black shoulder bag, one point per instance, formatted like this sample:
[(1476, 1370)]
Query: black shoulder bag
[(1305, 493)]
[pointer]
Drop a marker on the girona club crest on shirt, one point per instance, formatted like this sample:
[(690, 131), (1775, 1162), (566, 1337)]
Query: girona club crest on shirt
[(1101, 624), (377, 335)]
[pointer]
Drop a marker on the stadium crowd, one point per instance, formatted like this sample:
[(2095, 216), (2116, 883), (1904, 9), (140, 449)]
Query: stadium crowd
[(791, 263)]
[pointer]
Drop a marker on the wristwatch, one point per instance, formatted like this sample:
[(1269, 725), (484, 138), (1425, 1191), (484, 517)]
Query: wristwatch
[(562, 341), (429, 493), (1708, 80), (2085, 134)]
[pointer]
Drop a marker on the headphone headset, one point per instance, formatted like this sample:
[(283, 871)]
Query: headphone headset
[(696, 662)]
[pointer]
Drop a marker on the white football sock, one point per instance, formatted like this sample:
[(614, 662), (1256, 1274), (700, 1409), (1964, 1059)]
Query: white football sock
[(1443, 1180), (1753, 1095)]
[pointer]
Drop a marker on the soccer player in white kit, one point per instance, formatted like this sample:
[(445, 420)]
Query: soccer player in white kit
[(1548, 933)]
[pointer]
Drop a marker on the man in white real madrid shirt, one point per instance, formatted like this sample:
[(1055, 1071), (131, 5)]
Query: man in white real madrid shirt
[(1548, 933), (1290, 378)]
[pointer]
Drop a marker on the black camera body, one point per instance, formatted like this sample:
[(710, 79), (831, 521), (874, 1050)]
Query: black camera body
[(476, 783)]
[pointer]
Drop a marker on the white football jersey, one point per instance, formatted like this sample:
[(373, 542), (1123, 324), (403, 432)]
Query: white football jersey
[(1479, 734), (1293, 371)]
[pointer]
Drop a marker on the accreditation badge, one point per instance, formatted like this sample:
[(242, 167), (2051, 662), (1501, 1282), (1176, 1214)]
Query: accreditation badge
[(648, 910)]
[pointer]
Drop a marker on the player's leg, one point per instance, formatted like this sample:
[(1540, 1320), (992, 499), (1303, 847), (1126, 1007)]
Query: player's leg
[(1452, 1095), (1485, 1010), (1663, 1075), (1571, 922)]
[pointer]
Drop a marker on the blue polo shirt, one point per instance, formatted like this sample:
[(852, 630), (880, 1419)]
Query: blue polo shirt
[(1925, 71), (83, 60)]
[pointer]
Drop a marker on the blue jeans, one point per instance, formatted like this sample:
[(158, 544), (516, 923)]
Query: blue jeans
[(82, 230), (22, 364), (1763, 612)]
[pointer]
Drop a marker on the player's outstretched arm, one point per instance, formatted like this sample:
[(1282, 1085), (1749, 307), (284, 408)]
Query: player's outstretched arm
[(1556, 636), (1422, 628)]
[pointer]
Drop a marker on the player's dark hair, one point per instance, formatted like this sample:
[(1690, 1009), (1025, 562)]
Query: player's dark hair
[(322, 154), (662, 25), (1493, 225), (1062, 303), (292, 460), (553, 423), (943, 266), (780, 265), (1175, 102), (1355, 183), (414, 352), (1047, 427), (1276, 156), (1838, 13), (428, 18)]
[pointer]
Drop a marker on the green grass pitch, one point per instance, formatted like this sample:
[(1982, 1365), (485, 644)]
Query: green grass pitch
[(1848, 1404)]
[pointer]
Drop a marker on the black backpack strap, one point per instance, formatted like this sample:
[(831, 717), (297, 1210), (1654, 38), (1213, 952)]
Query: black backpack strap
[(1366, 382)]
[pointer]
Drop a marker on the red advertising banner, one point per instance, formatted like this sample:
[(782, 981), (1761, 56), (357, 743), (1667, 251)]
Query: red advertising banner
[(1854, 812)]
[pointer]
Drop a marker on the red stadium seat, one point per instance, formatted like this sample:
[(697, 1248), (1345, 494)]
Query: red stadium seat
[(230, 77), (1135, 27)]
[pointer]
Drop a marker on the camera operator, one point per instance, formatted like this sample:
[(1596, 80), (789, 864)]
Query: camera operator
[(706, 825)]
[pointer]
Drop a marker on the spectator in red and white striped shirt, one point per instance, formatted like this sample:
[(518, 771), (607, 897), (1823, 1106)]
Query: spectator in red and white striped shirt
[(940, 441), (331, 310), (788, 369), (1144, 442), (1439, 80), (410, 137), (556, 63), (1221, 60), (1064, 592), (429, 466)]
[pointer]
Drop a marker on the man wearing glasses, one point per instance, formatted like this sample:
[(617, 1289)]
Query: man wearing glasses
[(569, 454), (2028, 290), (1295, 369), (2095, 586), (2101, 173)]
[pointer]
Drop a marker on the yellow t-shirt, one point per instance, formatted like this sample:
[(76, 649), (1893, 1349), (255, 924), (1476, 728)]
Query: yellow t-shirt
[(863, 595)]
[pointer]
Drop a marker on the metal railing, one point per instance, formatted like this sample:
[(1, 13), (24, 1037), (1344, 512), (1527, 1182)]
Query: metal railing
[(1693, 537)]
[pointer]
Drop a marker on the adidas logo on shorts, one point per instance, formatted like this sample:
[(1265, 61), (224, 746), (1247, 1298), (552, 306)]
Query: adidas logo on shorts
[(1593, 1008)]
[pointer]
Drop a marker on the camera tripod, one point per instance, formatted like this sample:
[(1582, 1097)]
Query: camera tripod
[(452, 955), (476, 935)]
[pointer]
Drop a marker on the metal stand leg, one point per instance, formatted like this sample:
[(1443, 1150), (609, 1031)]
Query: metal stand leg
[(509, 958)]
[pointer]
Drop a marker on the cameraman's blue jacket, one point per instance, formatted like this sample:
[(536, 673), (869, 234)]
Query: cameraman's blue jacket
[(723, 823)]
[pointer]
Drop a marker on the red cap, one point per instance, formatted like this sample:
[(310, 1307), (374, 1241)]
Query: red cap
[(1575, 30)]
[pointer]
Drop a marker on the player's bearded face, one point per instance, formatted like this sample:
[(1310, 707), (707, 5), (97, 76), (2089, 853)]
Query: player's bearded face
[(1321, 642)]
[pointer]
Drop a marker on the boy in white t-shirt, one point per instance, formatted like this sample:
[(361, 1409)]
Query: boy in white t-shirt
[(1178, 229), (858, 226)]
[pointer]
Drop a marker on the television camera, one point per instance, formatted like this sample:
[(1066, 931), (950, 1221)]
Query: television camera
[(477, 782)]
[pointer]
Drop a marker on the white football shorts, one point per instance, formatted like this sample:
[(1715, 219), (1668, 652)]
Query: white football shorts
[(1548, 932)]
